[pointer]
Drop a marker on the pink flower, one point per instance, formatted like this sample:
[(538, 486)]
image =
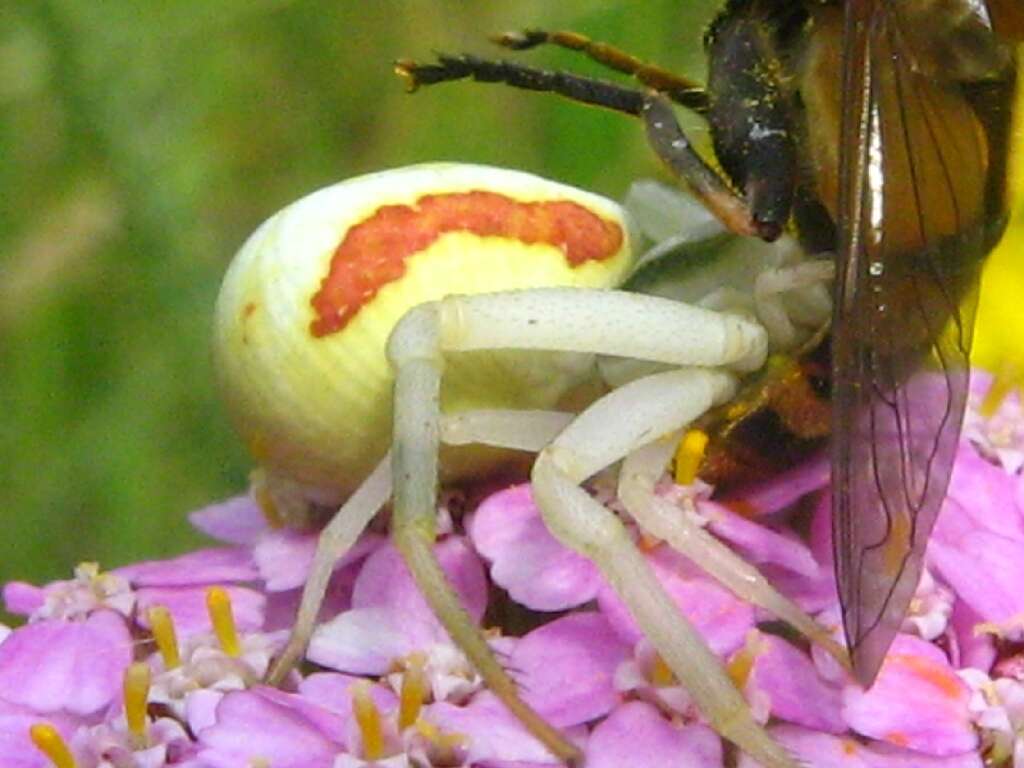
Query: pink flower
[(389, 619), (62, 666)]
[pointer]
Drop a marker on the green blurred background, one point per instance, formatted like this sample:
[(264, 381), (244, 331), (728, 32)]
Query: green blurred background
[(142, 142)]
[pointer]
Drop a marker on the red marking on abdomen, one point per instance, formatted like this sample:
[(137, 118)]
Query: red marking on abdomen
[(374, 252)]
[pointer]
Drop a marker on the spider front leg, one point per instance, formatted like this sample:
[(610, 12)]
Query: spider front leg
[(641, 470), (585, 525), (610, 322)]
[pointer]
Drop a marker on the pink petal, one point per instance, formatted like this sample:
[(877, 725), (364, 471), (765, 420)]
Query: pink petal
[(566, 668), (282, 607), (389, 617), (494, 734), (74, 666), (917, 702), (984, 568), (526, 560), (987, 496), (812, 593), (252, 726), (206, 566), (367, 641), (385, 582), (795, 690), (779, 492), (636, 735), (717, 614), (969, 648), (758, 543), (334, 692), (823, 750), (238, 520), (23, 599), (188, 607), (284, 557), (201, 708), (16, 749)]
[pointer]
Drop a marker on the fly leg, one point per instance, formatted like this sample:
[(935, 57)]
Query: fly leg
[(663, 131), (682, 90)]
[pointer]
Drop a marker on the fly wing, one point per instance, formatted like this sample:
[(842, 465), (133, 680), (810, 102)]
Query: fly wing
[(915, 195)]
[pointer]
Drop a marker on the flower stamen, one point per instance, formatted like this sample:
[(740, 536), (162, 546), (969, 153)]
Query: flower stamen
[(161, 624), (742, 663), (48, 741), (368, 718), (136, 698), (218, 606), (1003, 383), (414, 690), (690, 455), (661, 674), (445, 747)]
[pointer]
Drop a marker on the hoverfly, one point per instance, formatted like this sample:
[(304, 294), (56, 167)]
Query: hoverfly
[(878, 129)]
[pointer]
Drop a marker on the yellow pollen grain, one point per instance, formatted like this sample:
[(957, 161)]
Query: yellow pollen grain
[(437, 737), (136, 698), (647, 542), (661, 674), (689, 455), (987, 628), (48, 741), (742, 663), (414, 691), (368, 718), (218, 606), (162, 626)]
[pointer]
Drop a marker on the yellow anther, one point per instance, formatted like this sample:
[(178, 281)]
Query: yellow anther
[(162, 626), (415, 687), (661, 674), (689, 455), (742, 663), (647, 542), (50, 743), (368, 718), (136, 698), (218, 606), (1003, 383), (445, 743)]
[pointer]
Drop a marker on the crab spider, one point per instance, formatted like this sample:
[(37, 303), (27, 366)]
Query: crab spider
[(491, 293)]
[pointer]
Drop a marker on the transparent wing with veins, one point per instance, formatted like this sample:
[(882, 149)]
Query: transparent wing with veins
[(915, 200)]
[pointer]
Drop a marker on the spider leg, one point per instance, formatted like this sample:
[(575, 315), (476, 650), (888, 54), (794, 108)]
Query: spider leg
[(335, 540), (623, 421), (610, 322), (640, 471), (520, 430)]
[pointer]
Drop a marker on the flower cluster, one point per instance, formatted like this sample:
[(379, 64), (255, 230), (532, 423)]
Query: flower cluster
[(160, 663)]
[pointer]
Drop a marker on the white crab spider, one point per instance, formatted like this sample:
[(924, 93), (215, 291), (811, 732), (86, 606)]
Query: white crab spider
[(500, 298)]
